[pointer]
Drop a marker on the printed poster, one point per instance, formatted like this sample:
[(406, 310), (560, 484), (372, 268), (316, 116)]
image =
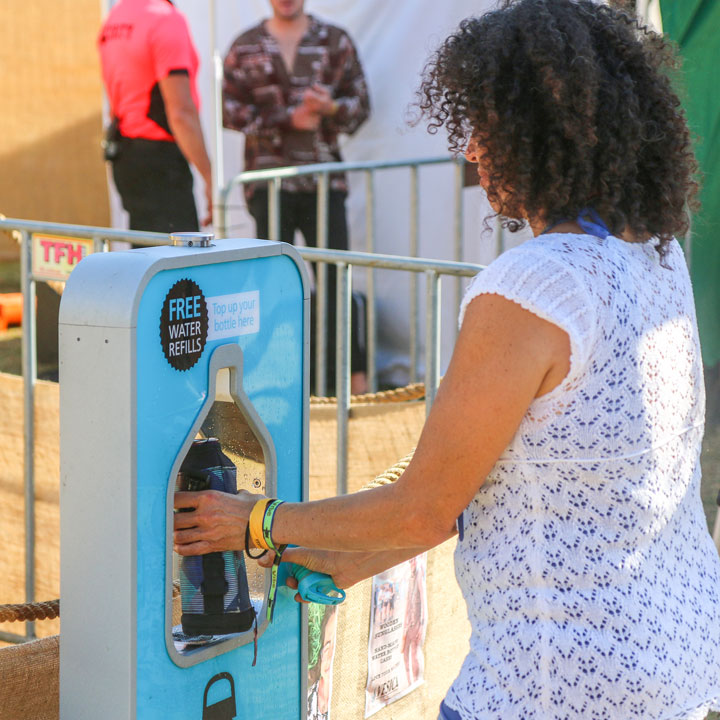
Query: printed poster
[(398, 622), (322, 634)]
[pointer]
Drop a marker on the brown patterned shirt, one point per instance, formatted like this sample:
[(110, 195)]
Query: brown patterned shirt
[(259, 96)]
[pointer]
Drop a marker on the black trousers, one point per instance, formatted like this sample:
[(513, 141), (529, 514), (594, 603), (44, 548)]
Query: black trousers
[(156, 186), (298, 211)]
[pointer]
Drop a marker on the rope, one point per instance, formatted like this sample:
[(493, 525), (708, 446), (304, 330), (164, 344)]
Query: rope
[(414, 391), (30, 611), (49, 610), (391, 474)]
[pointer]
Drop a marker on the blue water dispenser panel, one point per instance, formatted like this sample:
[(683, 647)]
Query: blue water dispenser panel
[(183, 367)]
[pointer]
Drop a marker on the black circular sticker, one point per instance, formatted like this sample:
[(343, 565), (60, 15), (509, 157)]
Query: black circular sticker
[(184, 324)]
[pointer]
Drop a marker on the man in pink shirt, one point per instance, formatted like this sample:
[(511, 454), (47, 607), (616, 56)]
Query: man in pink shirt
[(149, 67)]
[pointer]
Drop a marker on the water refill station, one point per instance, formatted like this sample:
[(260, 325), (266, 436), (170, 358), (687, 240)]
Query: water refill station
[(162, 348)]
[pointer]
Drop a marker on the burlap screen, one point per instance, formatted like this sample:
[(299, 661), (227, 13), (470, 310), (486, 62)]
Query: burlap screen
[(47, 495), (29, 689), (379, 435)]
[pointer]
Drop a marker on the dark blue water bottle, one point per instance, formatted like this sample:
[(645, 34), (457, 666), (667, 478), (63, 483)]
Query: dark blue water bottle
[(213, 587)]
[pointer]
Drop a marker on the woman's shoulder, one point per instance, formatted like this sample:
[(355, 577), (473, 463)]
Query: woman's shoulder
[(545, 276), (581, 260), (570, 248), (563, 248), (552, 260)]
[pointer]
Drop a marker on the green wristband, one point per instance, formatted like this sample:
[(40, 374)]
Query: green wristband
[(267, 522)]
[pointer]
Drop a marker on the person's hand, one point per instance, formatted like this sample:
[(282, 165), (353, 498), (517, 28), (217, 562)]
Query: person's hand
[(319, 100), (303, 118), (207, 220), (342, 567), (216, 521)]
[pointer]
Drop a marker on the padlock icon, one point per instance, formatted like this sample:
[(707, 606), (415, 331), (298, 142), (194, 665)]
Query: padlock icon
[(224, 709)]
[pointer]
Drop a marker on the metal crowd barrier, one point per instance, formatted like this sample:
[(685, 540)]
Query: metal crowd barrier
[(322, 171), (38, 238), (344, 261)]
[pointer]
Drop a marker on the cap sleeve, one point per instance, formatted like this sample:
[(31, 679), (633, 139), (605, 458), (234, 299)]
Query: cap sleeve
[(171, 45), (546, 287)]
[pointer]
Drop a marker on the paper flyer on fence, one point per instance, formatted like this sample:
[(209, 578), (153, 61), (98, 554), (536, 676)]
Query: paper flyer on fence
[(322, 633), (398, 621)]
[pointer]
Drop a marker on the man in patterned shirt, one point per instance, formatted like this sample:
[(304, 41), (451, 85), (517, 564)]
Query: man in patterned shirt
[(292, 84)]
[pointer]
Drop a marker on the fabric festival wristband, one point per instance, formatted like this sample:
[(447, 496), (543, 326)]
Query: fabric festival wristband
[(247, 546), (267, 523), (255, 523)]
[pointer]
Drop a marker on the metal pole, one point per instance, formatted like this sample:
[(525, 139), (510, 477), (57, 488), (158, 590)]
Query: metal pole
[(220, 219), (432, 338), (219, 151), (29, 364), (274, 209), (85, 231), (458, 226), (321, 285), (370, 350), (414, 252), (334, 167), (216, 89), (342, 371), (14, 638)]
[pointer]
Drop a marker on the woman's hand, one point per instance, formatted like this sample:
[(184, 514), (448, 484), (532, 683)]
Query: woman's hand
[(342, 567), (346, 568), (211, 521)]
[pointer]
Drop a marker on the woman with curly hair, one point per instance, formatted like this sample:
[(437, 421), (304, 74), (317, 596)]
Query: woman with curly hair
[(566, 433)]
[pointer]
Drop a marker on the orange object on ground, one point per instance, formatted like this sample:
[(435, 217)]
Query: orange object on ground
[(10, 310)]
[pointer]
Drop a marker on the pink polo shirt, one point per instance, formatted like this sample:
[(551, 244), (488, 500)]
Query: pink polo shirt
[(140, 43)]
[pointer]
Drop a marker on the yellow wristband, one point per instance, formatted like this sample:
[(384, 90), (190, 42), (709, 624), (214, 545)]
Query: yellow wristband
[(255, 523)]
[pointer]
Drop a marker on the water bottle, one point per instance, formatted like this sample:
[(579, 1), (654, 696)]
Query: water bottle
[(213, 587)]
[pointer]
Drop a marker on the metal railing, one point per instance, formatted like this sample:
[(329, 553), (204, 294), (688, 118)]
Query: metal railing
[(344, 261), (322, 172), (101, 238)]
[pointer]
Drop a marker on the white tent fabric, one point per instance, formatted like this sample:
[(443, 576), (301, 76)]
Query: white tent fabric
[(394, 40)]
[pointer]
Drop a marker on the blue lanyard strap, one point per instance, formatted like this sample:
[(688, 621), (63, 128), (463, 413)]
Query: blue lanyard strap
[(588, 220), (592, 223)]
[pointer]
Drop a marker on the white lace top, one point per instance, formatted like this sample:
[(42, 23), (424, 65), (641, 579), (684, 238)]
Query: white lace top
[(591, 581)]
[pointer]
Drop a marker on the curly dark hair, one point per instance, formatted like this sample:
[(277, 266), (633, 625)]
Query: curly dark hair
[(571, 105)]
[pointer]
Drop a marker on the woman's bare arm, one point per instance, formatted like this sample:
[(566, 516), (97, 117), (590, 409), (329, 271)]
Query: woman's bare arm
[(504, 358)]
